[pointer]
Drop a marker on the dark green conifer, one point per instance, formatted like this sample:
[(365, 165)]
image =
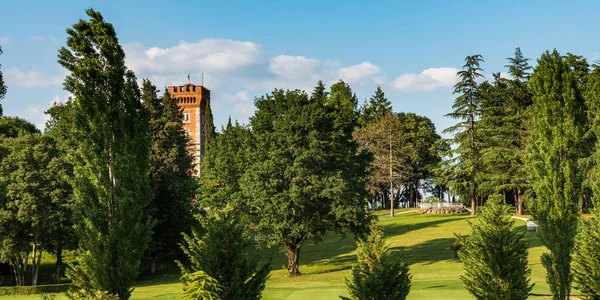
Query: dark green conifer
[(377, 273), (495, 256)]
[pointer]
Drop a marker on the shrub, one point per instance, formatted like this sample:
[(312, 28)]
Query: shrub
[(377, 275), (495, 256), (586, 265), (33, 290), (222, 265)]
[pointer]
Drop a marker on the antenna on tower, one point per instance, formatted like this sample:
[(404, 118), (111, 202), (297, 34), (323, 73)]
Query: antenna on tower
[(202, 78), (189, 80)]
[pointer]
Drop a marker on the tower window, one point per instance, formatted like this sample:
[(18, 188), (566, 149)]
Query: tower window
[(186, 117)]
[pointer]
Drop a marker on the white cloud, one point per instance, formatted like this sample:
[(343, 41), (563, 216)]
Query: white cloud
[(242, 106), (356, 73), (293, 66), (207, 55), (429, 79), (4, 40), (17, 78), (43, 38), (35, 113)]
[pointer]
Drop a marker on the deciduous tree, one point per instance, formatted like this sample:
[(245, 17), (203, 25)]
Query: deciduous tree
[(559, 121), (111, 168)]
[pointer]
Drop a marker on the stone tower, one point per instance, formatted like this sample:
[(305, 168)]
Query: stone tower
[(193, 99)]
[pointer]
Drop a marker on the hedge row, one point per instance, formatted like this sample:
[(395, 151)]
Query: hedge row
[(32, 290)]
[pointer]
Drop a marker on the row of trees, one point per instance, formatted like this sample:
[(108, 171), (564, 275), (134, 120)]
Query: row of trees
[(110, 176), (532, 136)]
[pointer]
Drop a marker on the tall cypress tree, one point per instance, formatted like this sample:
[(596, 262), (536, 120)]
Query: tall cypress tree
[(586, 266), (111, 168), (170, 173), (467, 109), (559, 120), (209, 128)]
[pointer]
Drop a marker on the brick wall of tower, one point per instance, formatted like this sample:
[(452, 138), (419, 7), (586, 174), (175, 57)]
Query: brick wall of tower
[(193, 99)]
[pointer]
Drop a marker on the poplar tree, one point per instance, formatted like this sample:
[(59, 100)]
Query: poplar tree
[(495, 256), (170, 173), (586, 265), (467, 108), (559, 120), (111, 168)]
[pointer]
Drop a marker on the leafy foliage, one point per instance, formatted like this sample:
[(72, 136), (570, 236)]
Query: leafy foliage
[(377, 274), (559, 120), (306, 177), (111, 167), (170, 174), (495, 256), (222, 266)]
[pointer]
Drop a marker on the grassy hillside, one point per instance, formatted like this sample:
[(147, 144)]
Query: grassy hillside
[(422, 241)]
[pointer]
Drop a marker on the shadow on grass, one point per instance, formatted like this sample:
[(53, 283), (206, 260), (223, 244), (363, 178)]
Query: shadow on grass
[(429, 252), (399, 229)]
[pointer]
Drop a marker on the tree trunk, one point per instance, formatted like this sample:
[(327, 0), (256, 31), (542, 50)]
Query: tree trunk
[(35, 264), (583, 201), (59, 263), (519, 203), (153, 266), (473, 200), (412, 194), (391, 182), (293, 253)]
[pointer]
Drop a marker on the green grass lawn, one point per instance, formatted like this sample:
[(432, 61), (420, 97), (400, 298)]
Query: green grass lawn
[(422, 241)]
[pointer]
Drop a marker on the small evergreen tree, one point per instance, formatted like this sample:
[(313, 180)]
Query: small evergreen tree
[(495, 256), (586, 263), (377, 274), (221, 262)]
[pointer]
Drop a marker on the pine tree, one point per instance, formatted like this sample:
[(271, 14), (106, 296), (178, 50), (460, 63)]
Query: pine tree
[(2, 86), (209, 128), (221, 259), (377, 273), (377, 106), (170, 173), (111, 167), (467, 108), (495, 256), (559, 120)]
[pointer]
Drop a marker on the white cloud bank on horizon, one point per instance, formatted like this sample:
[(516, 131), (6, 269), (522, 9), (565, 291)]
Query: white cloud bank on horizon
[(17, 78)]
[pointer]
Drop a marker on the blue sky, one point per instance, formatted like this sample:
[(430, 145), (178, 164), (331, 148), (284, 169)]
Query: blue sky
[(247, 48)]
